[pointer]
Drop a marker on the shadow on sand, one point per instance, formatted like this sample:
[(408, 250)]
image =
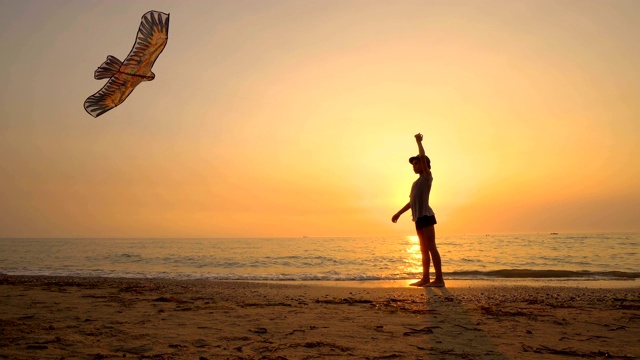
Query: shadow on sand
[(452, 320)]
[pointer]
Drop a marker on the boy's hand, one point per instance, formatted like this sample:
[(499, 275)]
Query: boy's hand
[(418, 137)]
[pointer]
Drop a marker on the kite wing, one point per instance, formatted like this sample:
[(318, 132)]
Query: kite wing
[(125, 76), (151, 40)]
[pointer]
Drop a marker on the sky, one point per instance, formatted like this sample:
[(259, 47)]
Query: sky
[(297, 118)]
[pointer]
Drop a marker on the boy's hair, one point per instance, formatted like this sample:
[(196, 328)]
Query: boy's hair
[(417, 157)]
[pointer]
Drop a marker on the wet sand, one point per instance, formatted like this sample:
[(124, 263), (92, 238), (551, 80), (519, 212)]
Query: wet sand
[(102, 318)]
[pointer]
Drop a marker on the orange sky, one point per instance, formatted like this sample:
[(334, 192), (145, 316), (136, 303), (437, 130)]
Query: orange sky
[(291, 118)]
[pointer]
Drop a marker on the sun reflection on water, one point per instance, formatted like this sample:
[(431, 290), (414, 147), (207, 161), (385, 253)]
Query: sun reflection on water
[(413, 257)]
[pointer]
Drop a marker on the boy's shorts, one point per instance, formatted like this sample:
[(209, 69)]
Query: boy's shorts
[(425, 221)]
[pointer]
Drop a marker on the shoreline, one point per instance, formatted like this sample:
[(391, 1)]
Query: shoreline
[(475, 283), (450, 283), (100, 318)]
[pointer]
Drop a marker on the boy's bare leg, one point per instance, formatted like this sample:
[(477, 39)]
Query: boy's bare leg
[(429, 234), (426, 262)]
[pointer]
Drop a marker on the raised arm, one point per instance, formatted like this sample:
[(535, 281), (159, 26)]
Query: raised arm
[(423, 156)]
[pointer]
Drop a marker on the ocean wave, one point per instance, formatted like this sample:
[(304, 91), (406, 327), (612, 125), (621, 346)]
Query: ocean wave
[(544, 274)]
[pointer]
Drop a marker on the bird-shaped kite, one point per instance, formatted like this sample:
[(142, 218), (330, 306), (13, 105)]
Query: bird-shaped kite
[(136, 68)]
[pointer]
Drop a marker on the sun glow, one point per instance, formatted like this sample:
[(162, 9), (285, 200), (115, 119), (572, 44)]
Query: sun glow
[(271, 123)]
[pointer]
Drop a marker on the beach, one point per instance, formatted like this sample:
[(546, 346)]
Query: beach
[(99, 318)]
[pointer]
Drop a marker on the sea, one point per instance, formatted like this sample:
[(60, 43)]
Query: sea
[(589, 259)]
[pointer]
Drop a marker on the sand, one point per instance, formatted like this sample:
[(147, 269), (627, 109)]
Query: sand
[(102, 318)]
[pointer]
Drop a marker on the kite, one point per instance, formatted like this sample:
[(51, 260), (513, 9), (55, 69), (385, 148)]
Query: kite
[(125, 75)]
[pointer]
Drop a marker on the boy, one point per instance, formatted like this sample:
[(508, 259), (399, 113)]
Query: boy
[(423, 217)]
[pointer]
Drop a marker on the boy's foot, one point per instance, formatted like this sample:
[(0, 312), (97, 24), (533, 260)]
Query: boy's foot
[(421, 282), (439, 283)]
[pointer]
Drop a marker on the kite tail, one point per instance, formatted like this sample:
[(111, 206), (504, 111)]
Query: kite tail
[(108, 68)]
